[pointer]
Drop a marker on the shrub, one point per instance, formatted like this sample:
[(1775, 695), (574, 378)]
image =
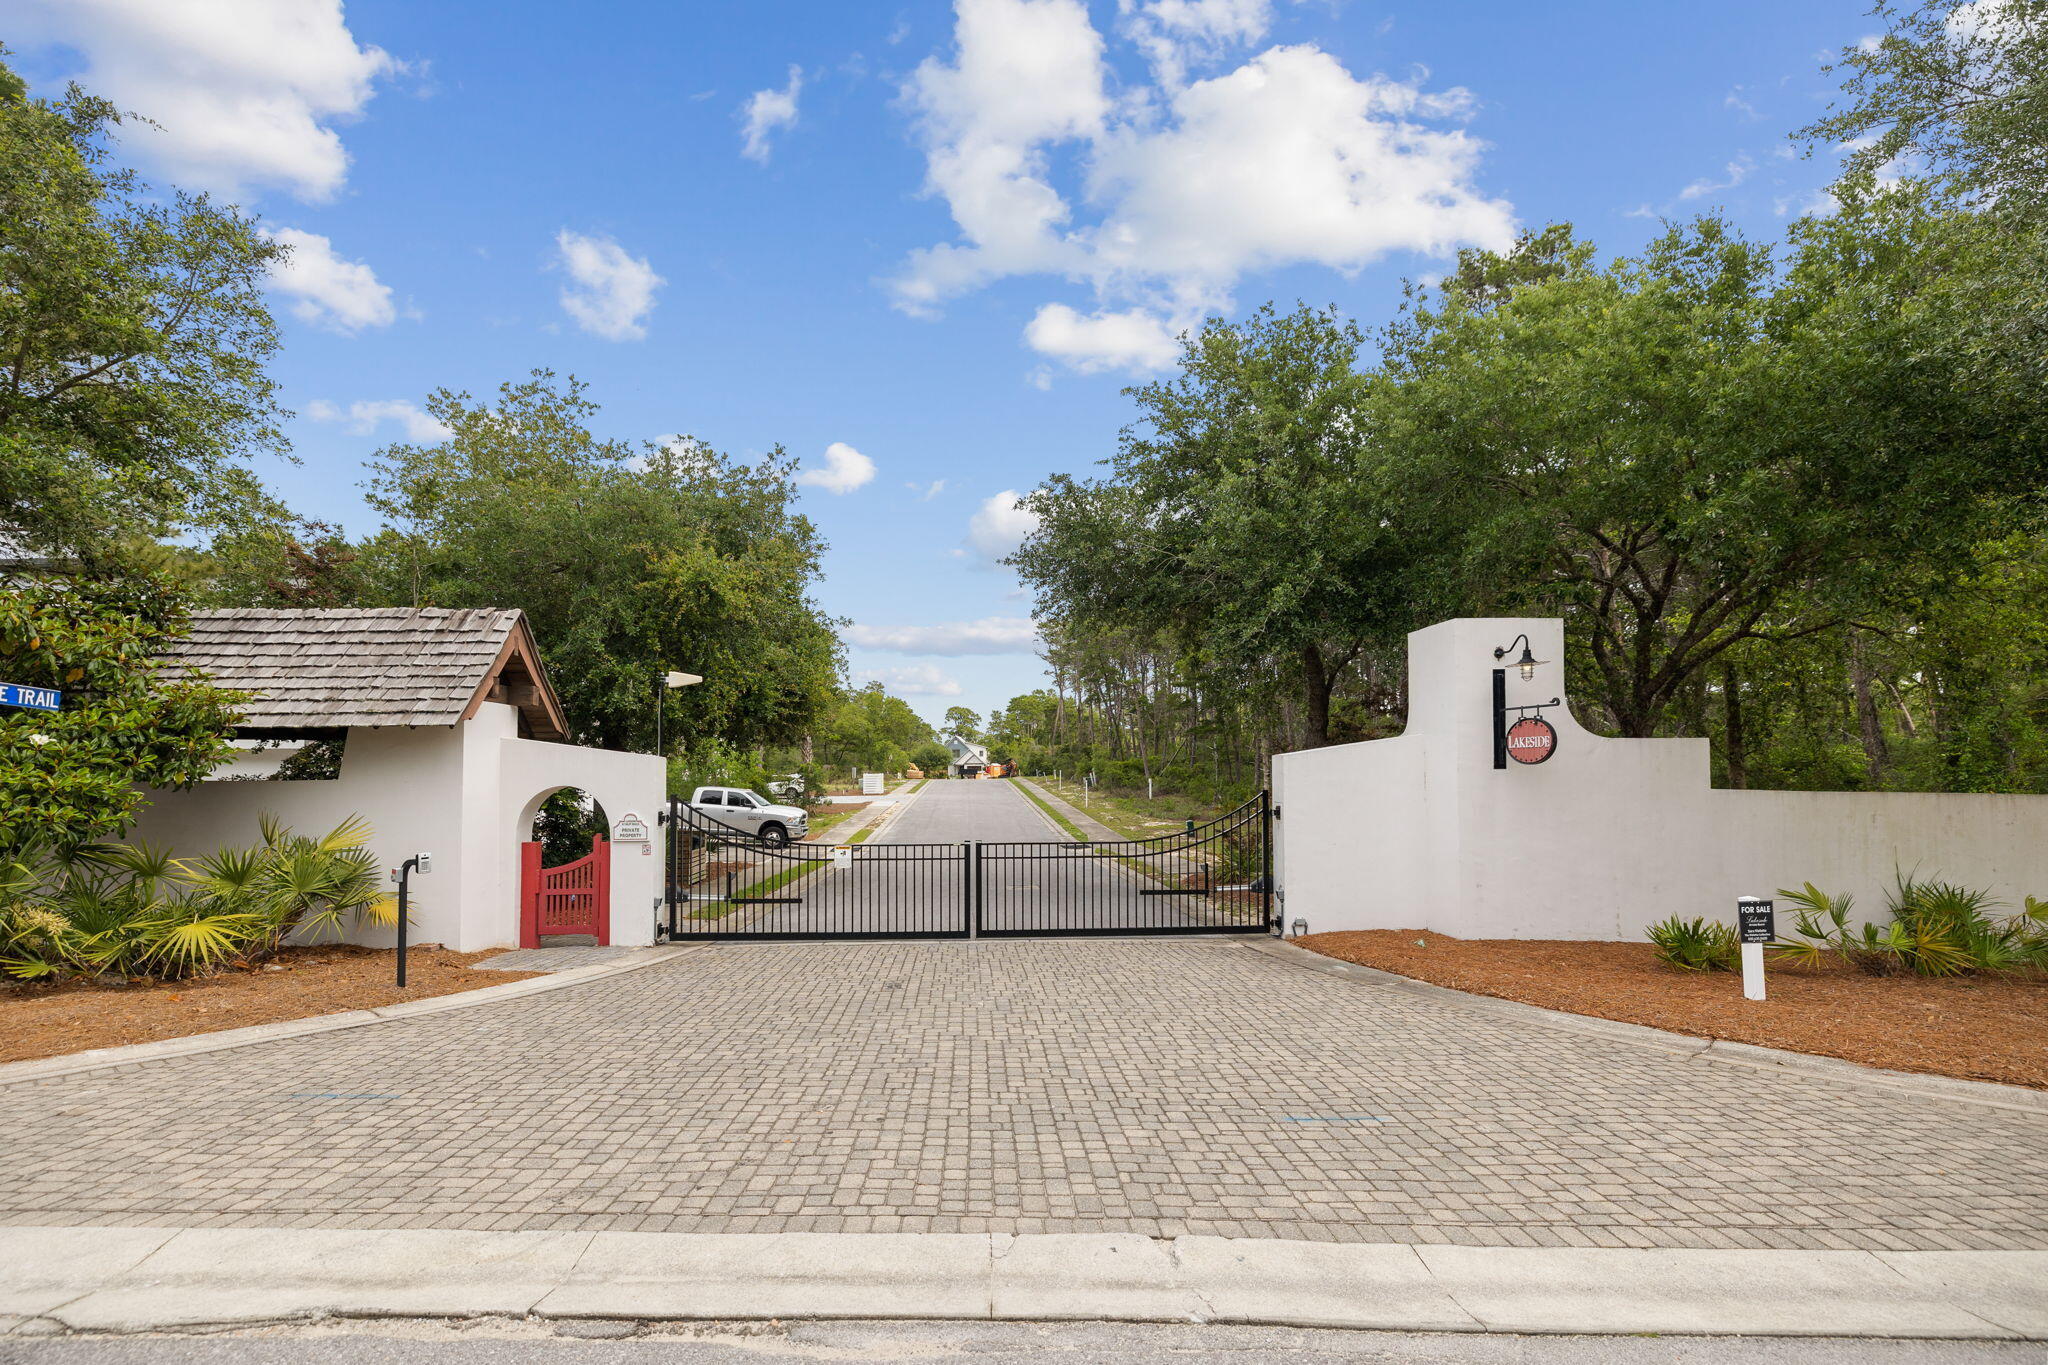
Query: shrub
[(1695, 945), (135, 911), (1936, 929)]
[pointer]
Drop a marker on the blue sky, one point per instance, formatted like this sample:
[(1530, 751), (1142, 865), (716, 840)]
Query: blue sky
[(922, 248)]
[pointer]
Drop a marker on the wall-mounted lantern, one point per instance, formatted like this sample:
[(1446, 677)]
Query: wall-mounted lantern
[(1527, 663), (1529, 738)]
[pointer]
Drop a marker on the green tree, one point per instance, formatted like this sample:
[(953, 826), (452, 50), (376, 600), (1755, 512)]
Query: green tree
[(134, 335), (1236, 518), (1693, 449), (630, 559), (931, 756), (964, 723), (128, 721), (868, 728), (1957, 89)]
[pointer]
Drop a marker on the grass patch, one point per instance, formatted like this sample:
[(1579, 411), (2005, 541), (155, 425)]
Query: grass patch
[(833, 817), (1133, 817), (1073, 830), (719, 909)]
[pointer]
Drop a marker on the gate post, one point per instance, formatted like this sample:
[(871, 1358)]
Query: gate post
[(970, 913), (974, 856), (529, 895), (601, 849), (1273, 925)]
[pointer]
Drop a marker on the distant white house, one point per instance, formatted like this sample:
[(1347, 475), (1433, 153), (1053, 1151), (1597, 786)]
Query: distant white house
[(451, 736), (969, 759)]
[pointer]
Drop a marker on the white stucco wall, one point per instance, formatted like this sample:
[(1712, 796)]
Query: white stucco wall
[(465, 793), (1422, 832)]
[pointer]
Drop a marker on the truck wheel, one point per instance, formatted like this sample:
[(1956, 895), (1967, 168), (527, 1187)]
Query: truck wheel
[(775, 836)]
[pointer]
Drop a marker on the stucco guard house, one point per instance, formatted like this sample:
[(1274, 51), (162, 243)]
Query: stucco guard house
[(452, 737)]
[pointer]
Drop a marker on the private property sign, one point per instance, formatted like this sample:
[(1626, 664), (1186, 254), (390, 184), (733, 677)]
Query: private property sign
[(31, 698)]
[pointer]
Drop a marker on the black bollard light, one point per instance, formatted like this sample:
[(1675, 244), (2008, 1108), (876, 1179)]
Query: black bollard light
[(425, 863)]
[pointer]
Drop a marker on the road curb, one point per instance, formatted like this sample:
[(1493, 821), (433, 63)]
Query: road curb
[(100, 1059), (1685, 1046), (121, 1280)]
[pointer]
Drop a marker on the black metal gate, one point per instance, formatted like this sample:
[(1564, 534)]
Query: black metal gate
[(726, 883)]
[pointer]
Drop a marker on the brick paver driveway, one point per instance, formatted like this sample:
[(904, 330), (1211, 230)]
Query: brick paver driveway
[(1027, 1086)]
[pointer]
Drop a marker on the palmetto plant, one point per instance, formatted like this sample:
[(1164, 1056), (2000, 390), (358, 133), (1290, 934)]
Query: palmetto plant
[(1936, 929), (113, 910), (294, 885), (134, 910), (1695, 945)]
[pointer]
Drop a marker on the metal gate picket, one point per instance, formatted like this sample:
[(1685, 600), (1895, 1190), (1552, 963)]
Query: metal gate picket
[(726, 883), (1206, 879)]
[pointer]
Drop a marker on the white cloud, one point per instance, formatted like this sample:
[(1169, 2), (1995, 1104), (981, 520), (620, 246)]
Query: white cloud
[(365, 415), (1131, 340), (610, 292), (1736, 172), (989, 635), (1738, 100), (767, 110), (244, 92), (999, 526), (344, 296), (1287, 160), (1028, 74), (845, 470), (918, 680), (927, 491), (1177, 34)]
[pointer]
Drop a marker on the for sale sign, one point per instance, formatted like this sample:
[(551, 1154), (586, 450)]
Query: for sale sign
[(1531, 740), (1756, 920)]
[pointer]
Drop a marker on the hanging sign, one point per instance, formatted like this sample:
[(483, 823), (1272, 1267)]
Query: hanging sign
[(31, 698), (1531, 740)]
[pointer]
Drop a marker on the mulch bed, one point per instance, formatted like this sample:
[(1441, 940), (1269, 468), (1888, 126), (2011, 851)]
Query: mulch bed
[(1980, 1028), (49, 1021)]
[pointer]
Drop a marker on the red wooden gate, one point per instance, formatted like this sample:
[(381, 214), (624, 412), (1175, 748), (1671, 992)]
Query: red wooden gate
[(575, 898)]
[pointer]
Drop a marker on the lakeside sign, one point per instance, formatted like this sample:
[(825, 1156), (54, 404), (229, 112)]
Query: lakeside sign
[(1531, 740), (31, 698)]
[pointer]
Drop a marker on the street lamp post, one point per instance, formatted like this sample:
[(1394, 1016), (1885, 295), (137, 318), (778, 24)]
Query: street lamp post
[(670, 681)]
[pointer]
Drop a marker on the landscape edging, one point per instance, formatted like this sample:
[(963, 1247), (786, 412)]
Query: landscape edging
[(1718, 1050), (100, 1059)]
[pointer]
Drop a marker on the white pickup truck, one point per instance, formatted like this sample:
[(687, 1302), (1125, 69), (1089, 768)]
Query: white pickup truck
[(751, 813)]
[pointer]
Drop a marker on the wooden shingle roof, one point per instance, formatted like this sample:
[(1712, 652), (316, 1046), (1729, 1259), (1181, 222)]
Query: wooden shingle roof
[(376, 667)]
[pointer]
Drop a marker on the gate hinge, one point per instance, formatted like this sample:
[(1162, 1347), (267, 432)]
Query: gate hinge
[(1276, 812)]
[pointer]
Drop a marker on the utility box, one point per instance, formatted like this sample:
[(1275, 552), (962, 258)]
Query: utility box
[(870, 784)]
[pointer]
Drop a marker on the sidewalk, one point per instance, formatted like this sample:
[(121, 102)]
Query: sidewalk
[(141, 1279), (1096, 831)]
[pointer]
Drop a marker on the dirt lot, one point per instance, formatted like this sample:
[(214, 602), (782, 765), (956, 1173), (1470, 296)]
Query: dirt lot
[(1980, 1028), (47, 1021)]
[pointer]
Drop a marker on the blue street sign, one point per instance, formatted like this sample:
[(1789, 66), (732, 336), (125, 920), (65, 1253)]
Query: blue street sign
[(31, 698)]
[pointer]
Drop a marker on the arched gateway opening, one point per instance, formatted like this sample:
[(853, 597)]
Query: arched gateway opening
[(564, 870)]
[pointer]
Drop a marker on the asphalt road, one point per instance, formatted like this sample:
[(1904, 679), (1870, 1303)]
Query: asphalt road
[(914, 878), (508, 1342)]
